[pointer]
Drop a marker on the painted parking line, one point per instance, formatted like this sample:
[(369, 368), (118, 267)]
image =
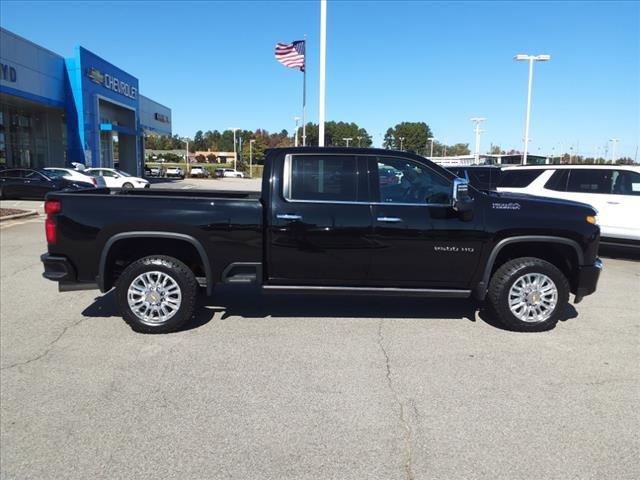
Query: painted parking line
[(11, 223)]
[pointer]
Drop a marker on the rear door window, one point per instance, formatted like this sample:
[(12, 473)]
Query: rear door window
[(518, 178), (590, 181), (328, 178)]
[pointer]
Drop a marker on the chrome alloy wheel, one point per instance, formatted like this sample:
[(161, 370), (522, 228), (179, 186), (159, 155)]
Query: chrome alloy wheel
[(154, 297), (533, 297)]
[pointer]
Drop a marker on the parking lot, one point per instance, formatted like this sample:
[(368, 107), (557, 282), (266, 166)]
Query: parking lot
[(275, 387)]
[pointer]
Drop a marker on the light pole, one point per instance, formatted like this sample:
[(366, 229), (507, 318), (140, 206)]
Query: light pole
[(431, 139), (295, 142), (401, 140), (235, 152), (347, 139), (359, 141), (477, 121), (613, 149), (251, 142), (521, 57)]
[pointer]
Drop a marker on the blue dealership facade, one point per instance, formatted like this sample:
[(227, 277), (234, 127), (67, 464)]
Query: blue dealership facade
[(56, 110)]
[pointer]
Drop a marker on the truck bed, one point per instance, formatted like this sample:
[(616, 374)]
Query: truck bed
[(228, 224)]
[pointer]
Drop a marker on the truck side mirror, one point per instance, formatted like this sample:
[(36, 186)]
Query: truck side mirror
[(461, 200)]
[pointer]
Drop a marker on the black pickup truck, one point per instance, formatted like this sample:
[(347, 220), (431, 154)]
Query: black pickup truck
[(328, 220)]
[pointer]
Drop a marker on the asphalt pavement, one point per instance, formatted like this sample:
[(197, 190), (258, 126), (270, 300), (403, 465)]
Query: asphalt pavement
[(304, 387)]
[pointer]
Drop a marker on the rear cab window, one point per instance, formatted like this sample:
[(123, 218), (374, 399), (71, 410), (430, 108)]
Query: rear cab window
[(325, 178)]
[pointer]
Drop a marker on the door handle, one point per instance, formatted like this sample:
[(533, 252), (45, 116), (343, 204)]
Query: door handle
[(613, 203), (288, 216), (389, 219)]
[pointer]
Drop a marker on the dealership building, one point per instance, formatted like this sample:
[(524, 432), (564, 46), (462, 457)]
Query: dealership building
[(57, 110)]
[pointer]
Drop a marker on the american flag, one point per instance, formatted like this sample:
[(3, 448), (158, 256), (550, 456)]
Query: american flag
[(291, 54)]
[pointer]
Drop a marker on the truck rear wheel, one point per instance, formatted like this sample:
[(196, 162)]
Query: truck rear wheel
[(156, 294), (528, 294)]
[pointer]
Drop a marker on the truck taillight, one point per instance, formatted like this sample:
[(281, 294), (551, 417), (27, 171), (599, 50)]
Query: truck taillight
[(51, 207)]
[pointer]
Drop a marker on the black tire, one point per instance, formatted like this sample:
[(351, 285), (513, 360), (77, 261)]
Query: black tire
[(178, 272), (504, 278), (127, 186)]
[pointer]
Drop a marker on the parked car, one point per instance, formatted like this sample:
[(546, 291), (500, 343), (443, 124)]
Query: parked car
[(78, 176), (482, 177), (199, 172), (325, 223), (114, 178), (230, 172), (28, 183), (175, 172), (613, 190)]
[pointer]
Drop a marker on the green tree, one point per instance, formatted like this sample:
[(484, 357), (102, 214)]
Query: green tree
[(414, 137), (335, 133), (199, 143)]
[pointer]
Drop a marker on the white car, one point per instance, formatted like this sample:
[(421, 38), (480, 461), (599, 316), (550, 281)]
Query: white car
[(114, 178), (78, 176), (613, 190), (175, 172), (199, 172), (230, 172)]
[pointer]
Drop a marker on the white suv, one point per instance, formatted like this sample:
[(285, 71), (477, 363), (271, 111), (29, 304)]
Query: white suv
[(613, 190)]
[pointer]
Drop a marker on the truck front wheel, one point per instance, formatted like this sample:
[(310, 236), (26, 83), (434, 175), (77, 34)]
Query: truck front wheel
[(528, 294), (156, 294)]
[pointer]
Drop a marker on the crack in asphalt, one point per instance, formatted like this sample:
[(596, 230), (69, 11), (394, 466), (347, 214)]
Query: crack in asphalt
[(47, 349), (404, 421)]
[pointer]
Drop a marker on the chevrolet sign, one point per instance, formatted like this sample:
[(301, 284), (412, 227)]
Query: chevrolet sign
[(112, 83)]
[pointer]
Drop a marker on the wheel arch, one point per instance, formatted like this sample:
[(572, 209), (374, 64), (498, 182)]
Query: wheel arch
[(181, 237), (481, 289)]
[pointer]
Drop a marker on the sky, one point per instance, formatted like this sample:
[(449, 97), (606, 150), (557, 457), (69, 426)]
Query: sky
[(441, 63)]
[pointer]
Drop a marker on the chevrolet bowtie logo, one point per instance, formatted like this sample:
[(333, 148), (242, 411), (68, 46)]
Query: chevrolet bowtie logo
[(95, 75)]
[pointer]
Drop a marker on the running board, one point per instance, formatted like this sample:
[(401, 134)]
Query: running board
[(414, 292)]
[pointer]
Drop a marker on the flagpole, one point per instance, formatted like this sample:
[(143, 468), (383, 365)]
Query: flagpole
[(323, 55), (304, 95)]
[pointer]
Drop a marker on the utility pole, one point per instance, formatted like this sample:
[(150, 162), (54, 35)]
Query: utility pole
[(477, 121), (235, 151), (431, 139), (359, 141), (251, 142), (347, 139), (295, 141), (323, 65), (401, 140)]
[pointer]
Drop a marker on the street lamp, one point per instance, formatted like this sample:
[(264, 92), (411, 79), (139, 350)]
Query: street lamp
[(295, 143), (359, 141), (347, 139), (401, 140), (613, 148), (251, 142), (529, 58), (431, 139), (235, 152), (477, 121)]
